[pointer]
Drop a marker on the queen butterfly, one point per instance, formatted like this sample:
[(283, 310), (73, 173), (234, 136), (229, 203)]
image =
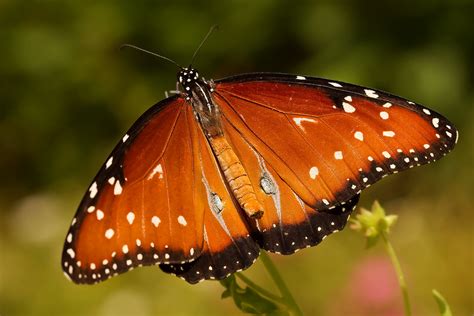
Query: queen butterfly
[(207, 177)]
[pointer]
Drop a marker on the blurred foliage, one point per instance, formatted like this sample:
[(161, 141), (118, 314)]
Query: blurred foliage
[(444, 308), (373, 224), (67, 94), (248, 300)]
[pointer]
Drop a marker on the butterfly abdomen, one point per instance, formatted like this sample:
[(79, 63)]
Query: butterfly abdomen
[(236, 176)]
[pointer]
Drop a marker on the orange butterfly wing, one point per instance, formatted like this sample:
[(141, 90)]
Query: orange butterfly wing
[(228, 243), (308, 146), (288, 223), (151, 203), (329, 140), (145, 205)]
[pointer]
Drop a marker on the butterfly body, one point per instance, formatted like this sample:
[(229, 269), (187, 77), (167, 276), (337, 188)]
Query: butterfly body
[(206, 178), (198, 93)]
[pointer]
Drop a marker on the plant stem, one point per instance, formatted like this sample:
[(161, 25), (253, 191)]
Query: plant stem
[(278, 280), (259, 289), (398, 271)]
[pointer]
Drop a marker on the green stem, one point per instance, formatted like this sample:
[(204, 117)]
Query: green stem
[(398, 271), (259, 289), (278, 280)]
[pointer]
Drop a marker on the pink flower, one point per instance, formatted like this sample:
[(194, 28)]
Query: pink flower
[(372, 289)]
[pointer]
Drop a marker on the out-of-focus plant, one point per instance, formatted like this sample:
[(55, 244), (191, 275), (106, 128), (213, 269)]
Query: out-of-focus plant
[(375, 225), (254, 299)]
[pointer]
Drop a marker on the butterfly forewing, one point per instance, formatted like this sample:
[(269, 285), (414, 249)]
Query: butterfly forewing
[(329, 140), (146, 204)]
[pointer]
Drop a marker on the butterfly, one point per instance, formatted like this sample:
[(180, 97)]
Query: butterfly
[(209, 176)]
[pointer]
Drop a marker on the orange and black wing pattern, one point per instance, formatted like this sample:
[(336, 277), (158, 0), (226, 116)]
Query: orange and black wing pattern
[(158, 200), (314, 144), (142, 207), (300, 148)]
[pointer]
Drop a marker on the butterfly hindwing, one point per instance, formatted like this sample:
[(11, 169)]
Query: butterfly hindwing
[(288, 224), (228, 244)]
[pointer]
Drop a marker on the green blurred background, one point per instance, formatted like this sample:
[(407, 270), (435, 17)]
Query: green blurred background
[(67, 95)]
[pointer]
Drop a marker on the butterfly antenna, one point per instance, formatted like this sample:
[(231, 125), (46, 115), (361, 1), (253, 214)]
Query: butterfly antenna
[(211, 30), (151, 53)]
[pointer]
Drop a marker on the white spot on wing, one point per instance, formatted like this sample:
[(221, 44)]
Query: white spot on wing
[(358, 135), (158, 169), (99, 214), (387, 105), (386, 154), (348, 108), (298, 121), (130, 217), (155, 220), (125, 249), (117, 188), (109, 233), (335, 84), (435, 122), (93, 190), (109, 162), (388, 133), (384, 115), (71, 253), (300, 78), (427, 112), (182, 220), (124, 139), (338, 155), (313, 172), (371, 93)]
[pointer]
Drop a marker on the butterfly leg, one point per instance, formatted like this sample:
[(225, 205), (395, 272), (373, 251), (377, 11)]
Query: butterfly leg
[(173, 92)]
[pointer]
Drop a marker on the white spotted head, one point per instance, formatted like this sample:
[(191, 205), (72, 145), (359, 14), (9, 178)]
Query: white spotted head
[(187, 78)]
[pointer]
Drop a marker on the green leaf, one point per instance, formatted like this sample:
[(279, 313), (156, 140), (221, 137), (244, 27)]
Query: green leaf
[(249, 300), (444, 309)]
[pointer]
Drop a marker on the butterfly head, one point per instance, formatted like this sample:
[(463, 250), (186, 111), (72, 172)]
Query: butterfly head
[(187, 77)]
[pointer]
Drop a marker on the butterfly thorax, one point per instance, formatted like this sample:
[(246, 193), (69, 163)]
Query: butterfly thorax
[(198, 92)]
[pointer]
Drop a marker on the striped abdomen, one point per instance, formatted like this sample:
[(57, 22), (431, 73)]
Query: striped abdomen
[(236, 176)]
